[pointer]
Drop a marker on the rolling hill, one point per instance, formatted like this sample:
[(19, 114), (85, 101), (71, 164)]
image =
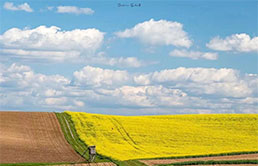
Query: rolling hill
[(135, 137)]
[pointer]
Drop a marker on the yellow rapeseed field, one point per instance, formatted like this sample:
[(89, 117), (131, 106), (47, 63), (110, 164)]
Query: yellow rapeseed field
[(134, 137)]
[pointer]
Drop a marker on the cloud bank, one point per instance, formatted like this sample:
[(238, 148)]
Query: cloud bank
[(209, 81), (180, 90)]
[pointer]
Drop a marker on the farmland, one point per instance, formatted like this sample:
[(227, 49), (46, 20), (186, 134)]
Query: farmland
[(33, 137), (37, 138), (73, 139), (243, 157), (136, 137)]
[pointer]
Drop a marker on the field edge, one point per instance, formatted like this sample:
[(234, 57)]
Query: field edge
[(73, 138), (205, 155), (212, 162)]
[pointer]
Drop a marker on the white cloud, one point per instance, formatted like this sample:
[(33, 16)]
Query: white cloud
[(74, 10), (27, 88), (101, 58), (52, 93), (24, 77), (52, 38), (225, 82), (153, 96), (18, 68), (250, 100), (143, 79), (57, 56), (160, 32), (252, 80), (194, 54), (229, 89), (25, 7), (94, 76), (79, 103), (181, 90), (128, 61), (56, 101), (50, 8), (50, 43), (236, 42), (198, 75)]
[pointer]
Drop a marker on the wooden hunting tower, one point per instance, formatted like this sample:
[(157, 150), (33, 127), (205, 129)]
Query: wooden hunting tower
[(92, 152)]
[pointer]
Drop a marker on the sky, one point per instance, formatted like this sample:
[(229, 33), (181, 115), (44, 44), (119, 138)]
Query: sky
[(129, 57)]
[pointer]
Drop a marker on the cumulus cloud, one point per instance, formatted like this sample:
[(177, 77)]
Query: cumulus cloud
[(21, 83), (52, 38), (25, 7), (142, 79), (74, 10), (225, 82), (194, 54), (94, 76), (181, 90), (23, 77), (236, 42), (50, 43), (148, 96), (160, 32)]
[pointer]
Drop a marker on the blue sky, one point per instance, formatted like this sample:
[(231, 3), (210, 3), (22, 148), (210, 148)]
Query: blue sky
[(162, 57)]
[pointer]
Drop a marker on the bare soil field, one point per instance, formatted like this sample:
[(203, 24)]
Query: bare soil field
[(33, 137), (215, 158)]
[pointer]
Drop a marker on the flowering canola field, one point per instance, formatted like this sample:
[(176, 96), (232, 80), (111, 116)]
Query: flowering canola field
[(135, 137)]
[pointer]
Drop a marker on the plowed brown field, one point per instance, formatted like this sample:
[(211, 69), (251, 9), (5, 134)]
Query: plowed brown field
[(33, 137), (214, 158)]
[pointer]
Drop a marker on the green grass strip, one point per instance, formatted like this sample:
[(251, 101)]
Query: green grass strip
[(130, 163), (73, 139), (212, 162)]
